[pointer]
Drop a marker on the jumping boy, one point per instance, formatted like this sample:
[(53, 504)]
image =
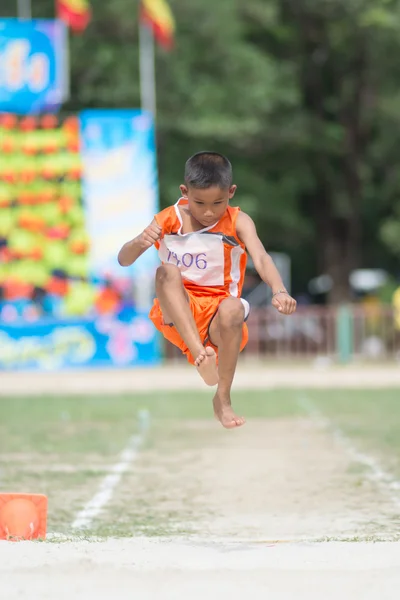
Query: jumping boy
[(202, 243)]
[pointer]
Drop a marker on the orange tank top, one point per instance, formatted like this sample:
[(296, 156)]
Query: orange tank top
[(212, 260)]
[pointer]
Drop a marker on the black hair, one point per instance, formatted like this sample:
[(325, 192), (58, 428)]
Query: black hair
[(206, 169)]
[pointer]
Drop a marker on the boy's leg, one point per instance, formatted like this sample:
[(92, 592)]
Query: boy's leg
[(175, 308), (226, 333)]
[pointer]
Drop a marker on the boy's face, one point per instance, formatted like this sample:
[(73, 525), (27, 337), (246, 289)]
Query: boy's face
[(207, 206)]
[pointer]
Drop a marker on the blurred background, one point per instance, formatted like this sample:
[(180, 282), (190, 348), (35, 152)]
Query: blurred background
[(101, 104)]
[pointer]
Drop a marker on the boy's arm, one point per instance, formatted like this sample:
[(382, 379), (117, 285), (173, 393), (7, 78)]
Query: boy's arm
[(264, 264), (135, 248)]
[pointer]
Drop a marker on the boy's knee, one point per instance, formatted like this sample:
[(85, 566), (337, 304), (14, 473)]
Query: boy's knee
[(167, 273), (231, 313)]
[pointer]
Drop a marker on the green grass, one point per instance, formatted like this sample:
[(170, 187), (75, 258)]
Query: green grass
[(100, 424), (61, 446), (88, 424), (370, 418)]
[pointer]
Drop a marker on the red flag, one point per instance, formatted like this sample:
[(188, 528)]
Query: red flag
[(75, 13), (157, 14)]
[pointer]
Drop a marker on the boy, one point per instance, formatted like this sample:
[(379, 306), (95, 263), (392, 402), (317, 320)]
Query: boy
[(202, 243)]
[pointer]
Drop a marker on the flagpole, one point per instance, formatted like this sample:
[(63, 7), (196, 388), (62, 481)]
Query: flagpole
[(147, 69), (24, 9), (144, 285)]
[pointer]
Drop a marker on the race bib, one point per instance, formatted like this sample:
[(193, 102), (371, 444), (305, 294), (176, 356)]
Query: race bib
[(199, 257)]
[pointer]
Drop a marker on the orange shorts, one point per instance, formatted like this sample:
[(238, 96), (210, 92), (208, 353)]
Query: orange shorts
[(203, 308)]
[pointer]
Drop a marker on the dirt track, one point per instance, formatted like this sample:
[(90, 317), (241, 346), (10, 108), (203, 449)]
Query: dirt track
[(275, 479), (248, 376)]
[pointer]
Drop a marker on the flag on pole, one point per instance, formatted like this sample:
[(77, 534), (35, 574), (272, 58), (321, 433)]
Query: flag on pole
[(75, 13), (158, 15)]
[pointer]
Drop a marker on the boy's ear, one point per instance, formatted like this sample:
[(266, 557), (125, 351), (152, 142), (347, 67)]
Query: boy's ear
[(232, 191), (184, 190)]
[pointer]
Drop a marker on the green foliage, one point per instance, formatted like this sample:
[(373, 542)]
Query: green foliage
[(303, 96)]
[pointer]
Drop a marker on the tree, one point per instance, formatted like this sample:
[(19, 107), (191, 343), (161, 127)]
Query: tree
[(344, 80), (339, 51)]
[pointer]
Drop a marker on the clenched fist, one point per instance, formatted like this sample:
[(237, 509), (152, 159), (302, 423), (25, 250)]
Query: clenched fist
[(151, 234), (284, 303)]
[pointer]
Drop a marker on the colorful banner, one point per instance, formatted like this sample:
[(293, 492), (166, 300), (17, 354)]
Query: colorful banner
[(56, 344), (34, 67), (120, 190), (59, 239), (43, 240)]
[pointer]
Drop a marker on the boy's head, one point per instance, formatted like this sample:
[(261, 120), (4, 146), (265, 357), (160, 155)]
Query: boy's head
[(208, 186)]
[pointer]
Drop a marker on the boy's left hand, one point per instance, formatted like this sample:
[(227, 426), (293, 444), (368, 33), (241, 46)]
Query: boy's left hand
[(284, 303)]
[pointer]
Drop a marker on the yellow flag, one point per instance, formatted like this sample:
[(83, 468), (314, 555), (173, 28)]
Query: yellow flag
[(157, 14)]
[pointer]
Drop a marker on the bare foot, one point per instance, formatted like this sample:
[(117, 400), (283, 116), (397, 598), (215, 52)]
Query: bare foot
[(224, 413), (206, 364)]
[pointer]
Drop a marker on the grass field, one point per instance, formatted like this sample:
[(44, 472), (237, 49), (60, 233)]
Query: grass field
[(282, 476), (149, 497)]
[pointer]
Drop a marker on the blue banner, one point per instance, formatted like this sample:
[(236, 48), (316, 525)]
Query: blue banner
[(33, 65), (120, 191), (57, 344)]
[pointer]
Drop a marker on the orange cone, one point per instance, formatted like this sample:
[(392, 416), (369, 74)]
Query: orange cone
[(23, 516)]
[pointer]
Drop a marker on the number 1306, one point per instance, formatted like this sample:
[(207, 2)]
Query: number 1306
[(187, 260)]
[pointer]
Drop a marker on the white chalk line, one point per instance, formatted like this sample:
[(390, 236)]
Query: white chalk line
[(375, 473), (106, 489)]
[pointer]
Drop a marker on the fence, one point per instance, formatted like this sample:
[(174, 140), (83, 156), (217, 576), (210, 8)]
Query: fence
[(317, 332)]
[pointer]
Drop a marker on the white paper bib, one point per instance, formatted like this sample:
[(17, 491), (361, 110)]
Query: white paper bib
[(199, 257)]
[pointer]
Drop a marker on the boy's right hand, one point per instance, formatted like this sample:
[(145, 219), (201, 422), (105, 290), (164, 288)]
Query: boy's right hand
[(151, 234)]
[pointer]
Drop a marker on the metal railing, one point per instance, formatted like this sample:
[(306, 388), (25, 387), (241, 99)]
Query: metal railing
[(339, 334)]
